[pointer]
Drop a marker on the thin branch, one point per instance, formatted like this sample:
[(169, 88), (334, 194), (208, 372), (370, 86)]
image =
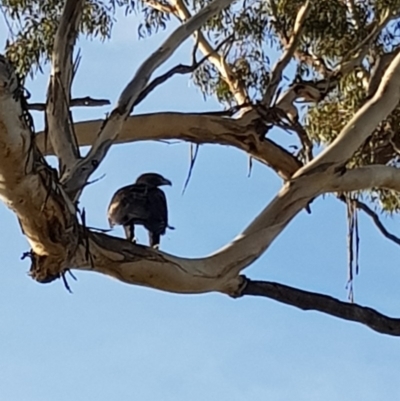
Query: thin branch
[(193, 158), (179, 69), (86, 101), (375, 218), (276, 73), (235, 85), (59, 92), (320, 88), (78, 175), (323, 303), (185, 127), (357, 54)]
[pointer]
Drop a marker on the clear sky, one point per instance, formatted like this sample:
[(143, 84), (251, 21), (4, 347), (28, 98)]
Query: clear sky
[(110, 341)]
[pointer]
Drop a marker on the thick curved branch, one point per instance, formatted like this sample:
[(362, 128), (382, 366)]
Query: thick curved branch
[(323, 303), (77, 177), (196, 128), (58, 117), (368, 177)]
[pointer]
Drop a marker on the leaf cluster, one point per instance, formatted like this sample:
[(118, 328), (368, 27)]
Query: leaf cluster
[(32, 25)]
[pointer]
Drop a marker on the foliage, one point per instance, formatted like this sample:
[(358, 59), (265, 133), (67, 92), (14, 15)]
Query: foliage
[(32, 25), (259, 29)]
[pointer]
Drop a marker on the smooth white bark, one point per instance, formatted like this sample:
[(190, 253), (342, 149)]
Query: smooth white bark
[(60, 243), (81, 171)]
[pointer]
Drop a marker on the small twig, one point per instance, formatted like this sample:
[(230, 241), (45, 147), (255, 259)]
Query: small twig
[(193, 158), (353, 243), (86, 101), (179, 69), (65, 281), (374, 216)]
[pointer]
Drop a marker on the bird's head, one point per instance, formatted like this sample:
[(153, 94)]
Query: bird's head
[(153, 180)]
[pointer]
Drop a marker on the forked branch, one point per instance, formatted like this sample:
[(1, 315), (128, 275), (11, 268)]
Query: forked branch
[(81, 171), (236, 87)]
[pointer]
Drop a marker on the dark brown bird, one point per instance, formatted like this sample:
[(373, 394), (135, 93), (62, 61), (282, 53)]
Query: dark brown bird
[(142, 203)]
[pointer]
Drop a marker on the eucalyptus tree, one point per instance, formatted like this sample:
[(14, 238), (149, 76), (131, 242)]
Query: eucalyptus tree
[(345, 75)]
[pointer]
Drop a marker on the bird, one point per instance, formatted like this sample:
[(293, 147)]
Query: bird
[(142, 203)]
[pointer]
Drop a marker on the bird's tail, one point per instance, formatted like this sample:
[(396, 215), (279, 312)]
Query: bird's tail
[(170, 227)]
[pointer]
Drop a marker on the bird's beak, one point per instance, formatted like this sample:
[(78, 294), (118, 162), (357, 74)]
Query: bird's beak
[(166, 182)]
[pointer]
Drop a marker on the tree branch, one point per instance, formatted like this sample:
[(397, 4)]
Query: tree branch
[(276, 73), (76, 178), (59, 243), (375, 218), (367, 177), (58, 117), (323, 303), (195, 128), (179, 69), (363, 123), (235, 86), (86, 101), (315, 91)]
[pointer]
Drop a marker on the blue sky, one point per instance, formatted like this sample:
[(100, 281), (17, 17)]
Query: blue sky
[(109, 340)]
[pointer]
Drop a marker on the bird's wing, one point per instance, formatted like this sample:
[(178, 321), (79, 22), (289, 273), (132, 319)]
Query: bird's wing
[(129, 204), (158, 212)]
